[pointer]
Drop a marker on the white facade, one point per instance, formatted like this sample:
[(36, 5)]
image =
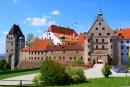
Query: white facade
[(47, 35), (124, 51)]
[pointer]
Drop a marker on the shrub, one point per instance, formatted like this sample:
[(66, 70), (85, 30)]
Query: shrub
[(106, 71), (4, 65), (37, 80), (76, 74), (78, 61), (53, 74)]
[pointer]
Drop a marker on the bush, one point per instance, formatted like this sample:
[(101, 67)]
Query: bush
[(53, 74), (76, 74), (4, 66), (37, 80), (78, 61), (106, 71)]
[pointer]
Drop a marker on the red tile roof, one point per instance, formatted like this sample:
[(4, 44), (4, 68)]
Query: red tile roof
[(64, 47), (40, 45), (25, 49), (70, 34), (81, 37), (124, 33)]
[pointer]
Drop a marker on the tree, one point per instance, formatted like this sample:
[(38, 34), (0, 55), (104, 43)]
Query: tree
[(4, 65), (31, 38), (53, 73), (106, 71), (78, 61), (76, 74)]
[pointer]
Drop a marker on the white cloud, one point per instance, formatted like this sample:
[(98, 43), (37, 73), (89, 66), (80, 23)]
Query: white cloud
[(37, 21), (5, 32), (39, 31), (51, 23), (2, 44), (55, 12), (14, 1)]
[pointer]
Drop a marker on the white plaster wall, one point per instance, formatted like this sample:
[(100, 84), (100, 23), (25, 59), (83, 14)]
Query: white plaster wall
[(47, 35), (125, 51)]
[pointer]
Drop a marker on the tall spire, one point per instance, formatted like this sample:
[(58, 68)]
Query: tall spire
[(100, 12)]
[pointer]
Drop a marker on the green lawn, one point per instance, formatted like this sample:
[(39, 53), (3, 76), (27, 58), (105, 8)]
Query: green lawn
[(18, 74), (100, 82)]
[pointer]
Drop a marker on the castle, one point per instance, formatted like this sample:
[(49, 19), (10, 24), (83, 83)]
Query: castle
[(100, 44)]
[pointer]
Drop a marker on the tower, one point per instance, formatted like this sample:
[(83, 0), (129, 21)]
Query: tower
[(15, 40)]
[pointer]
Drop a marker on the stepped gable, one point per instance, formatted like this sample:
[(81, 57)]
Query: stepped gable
[(81, 37), (124, 33), (40, 45), (15, 30), (64, 47), (25, 49)]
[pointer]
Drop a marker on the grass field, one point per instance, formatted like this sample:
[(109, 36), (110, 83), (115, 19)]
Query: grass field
[(99, 82), (18, 74)]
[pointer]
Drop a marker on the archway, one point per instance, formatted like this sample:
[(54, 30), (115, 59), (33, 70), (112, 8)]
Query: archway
[(99, 59)]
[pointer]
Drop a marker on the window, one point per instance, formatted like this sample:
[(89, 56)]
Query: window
[(54, 57), (88, 46), (11, 44), (102, 40), (9, 38), (111, 47), (121, 41), (102, 46), (103, 28), (42, 53), (89, 53), (70, 58), (110, 40), (81, 58), (88, 40), (96, 47), (41, 58), (100, 34), (96, 28), (99, 23), (38, 53), (88, 59), (121, 53), (127, 41), (11, 50), (127, 53), (108, 33), (7, 51), (35, 58), (59, 57), (96, 40), (31, 58), (63, 51), (49, 57), (32, 53), (49, 33), (76, 51), (38, 58), (121, 47), (74, 58), (51, 51), (35, 53), (63, 57), (92, 34), (127, 47)]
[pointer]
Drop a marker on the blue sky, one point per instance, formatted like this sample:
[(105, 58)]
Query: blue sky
[(35, 16)]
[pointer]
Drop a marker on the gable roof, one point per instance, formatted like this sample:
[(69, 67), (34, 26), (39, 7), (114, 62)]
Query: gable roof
[(124, 33), (40, 45), (64, 47), (15, 30), (61, 30)]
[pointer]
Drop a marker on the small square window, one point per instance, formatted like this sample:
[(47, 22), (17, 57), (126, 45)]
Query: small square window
[(74, 58), (103, 28), (100, 34), (111, 47), (110, 40), (121, 53), (63, 57), (121, 41), (92, 34), (70, 58), (121, 47), (96, 40), (96, 28), (89, 53), (81, 58), (63, 51), (96, 47), (54, 57), (127, 47), (59, 57), (88, 40), (76, 51), (127, 41), (102, 40), (51, 51), (100, 23), (108, 33)]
